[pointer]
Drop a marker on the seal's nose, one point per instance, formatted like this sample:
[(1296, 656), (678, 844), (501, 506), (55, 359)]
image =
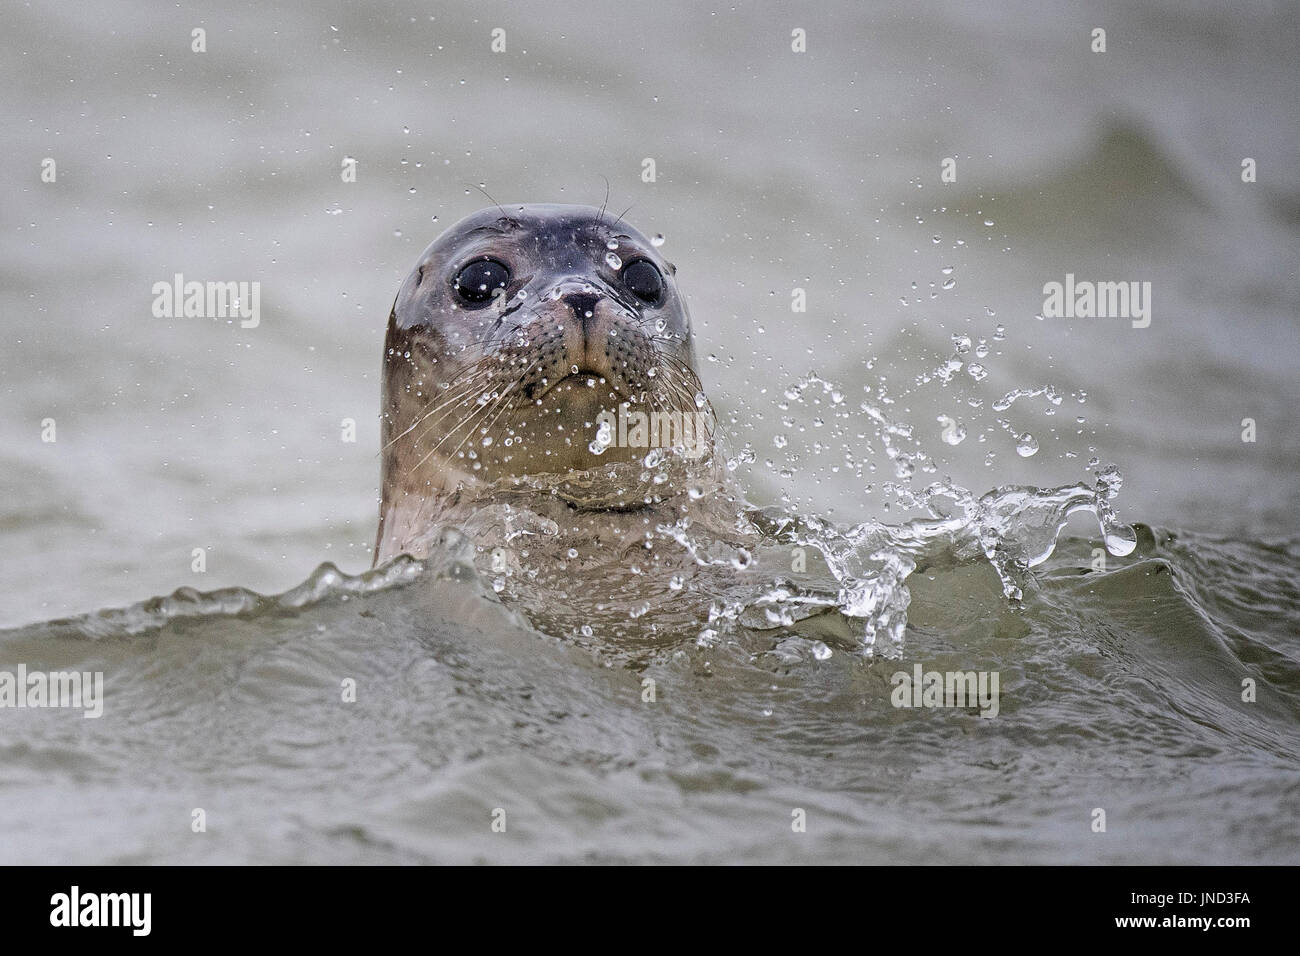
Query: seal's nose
[(589, 323), (583, 304)]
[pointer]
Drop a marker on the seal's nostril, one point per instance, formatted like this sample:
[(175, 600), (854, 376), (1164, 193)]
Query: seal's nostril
[(582, 303)]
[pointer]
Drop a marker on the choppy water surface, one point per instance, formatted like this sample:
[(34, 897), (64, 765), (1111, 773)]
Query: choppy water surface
[(922, 468), (1120, 689)]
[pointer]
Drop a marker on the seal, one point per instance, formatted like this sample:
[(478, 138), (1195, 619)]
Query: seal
[(531, 341)]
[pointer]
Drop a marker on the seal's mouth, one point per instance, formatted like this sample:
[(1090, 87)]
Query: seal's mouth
[(583, 379)]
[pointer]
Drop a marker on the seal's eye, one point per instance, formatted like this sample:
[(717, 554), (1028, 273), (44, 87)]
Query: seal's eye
[(479, 280), (644, 280)]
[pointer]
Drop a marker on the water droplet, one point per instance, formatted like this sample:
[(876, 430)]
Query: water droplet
[(953, 433), (1120, 539), (1026, 446), (1109, 481), (658, 239), (613, 261)]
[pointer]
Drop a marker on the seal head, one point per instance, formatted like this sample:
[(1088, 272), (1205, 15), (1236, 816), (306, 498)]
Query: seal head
[(513, 347)]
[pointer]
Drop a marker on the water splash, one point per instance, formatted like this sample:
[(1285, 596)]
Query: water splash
[(1013, 528), (1050, 392)]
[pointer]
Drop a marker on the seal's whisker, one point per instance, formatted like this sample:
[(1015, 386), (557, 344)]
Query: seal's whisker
[(489, 196), (680, 375), (684, 383), (622, 214), (473, 419), (462, 392), (472, 394), (480, 414), (502, 406), (461, 388), (438, 398), (451, 431)]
